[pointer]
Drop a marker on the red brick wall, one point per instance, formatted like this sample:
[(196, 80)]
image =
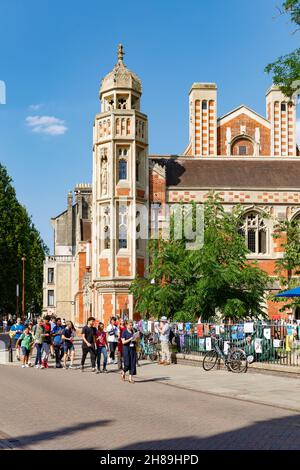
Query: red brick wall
[(107, 308), (122, 302), (140, 193), (235, 125), (104, 267), (123, 191), (123, 266), (157, 187), (273, 309), (82, 268), (140, 267)]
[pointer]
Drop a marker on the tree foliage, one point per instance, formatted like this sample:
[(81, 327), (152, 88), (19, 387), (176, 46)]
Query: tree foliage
[(286, 69), (288, 267), (18, 238), (216, 278)]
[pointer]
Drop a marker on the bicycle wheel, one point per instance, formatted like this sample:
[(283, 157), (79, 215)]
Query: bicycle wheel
[(237, 361), (210, 360)]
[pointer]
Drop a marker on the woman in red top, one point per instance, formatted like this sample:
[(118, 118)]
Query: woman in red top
[(102, 347)]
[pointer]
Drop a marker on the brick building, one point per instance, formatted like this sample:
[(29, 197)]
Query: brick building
[(245, 157), (67, 273)]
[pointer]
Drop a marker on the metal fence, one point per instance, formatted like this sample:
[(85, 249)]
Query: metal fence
[(272, 342)]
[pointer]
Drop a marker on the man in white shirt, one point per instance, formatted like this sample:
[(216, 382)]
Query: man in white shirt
[(112, 339), (164, 333)]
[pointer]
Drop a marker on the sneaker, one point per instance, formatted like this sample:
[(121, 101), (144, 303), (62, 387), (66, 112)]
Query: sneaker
[(46, 365), (94, 369), (37, 366), (65, 367), (98, 371), (42, 367), (26, 365), (72, 367), (23, 366), (105, 371)]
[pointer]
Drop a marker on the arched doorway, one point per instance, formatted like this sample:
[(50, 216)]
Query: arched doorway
[(242, 146)]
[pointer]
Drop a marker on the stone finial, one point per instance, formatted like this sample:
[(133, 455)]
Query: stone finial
[(121, 53)]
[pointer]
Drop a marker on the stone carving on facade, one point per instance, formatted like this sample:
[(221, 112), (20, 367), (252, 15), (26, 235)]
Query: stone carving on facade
[(86, 291), (104, 172), (293, 211), (112, 285)]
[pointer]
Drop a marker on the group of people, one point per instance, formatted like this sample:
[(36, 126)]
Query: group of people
[(116, 344), (48, 336)]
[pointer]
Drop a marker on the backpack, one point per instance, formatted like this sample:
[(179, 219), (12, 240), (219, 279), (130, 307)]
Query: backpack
[(171, 336), (12, 333)]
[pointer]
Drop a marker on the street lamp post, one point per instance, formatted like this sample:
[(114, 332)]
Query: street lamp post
[(23, 289), (17, 295)]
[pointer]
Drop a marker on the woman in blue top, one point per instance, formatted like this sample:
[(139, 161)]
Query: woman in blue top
[(129, 352), (15, 333)]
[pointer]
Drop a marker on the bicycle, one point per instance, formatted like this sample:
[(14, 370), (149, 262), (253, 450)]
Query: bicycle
[(148, 348), (235, 360)]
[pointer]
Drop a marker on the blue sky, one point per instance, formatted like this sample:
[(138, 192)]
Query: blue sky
[(53, 55)]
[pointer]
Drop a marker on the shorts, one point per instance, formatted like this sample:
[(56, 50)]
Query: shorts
[(25, 351), (68, 347)]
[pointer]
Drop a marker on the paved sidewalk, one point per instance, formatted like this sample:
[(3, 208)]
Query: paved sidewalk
[(265, 389)]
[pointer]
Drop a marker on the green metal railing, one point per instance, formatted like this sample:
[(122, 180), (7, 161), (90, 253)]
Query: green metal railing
[(281, 351)]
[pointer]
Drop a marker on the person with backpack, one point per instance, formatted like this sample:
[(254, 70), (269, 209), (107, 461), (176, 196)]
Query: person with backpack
[(15, 333), (164, 338), (26, 340), (68, 337), (56, 333)]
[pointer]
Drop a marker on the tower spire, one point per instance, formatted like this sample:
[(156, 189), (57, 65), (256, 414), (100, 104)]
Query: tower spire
[(121, 53)]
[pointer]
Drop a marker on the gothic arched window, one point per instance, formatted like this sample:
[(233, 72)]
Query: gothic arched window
[(254, 230), (123, 164)]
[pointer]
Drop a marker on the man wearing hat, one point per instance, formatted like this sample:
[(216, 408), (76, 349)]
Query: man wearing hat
[(164, 333)]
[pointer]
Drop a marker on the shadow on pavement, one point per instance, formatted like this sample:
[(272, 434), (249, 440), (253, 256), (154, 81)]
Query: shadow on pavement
[(154, 379), (20, 442), (279, 433)]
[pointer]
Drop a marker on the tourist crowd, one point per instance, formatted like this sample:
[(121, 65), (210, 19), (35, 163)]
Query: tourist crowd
[(117, 343)]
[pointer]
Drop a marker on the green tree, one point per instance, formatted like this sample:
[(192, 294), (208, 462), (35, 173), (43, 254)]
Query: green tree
[(288, 267), (286, 69), (18, 238), (216, 278)]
